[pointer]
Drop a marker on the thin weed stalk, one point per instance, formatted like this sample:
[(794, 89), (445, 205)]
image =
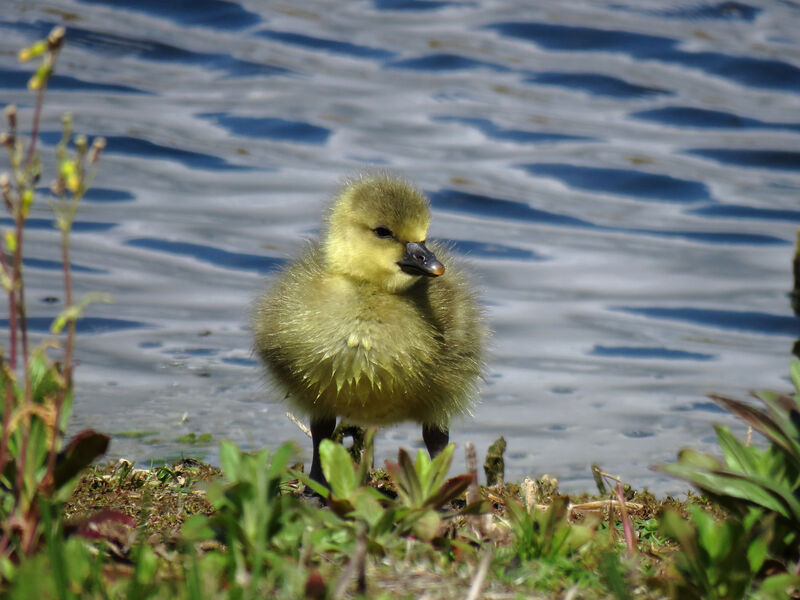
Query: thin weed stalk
[(36, 390)]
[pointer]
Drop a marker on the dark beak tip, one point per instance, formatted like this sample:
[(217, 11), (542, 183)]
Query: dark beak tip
[(418, 260)]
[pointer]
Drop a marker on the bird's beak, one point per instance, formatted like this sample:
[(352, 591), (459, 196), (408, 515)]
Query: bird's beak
[(418, 260)]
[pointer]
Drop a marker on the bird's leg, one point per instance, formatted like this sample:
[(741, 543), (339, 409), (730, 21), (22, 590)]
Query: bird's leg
[(435, 438), (321, 429)]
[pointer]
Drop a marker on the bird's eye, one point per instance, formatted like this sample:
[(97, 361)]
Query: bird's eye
[(383, 232)]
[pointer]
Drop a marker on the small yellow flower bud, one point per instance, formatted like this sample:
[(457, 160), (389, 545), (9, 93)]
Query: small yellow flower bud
[(33, 51), (74, 183), (11, 240), (66, 169), (27, 200), (39, 79)]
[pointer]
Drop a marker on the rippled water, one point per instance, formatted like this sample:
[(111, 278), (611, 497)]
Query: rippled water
[(623, 177)]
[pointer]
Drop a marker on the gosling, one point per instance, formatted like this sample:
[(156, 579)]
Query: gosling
[(367, 325)]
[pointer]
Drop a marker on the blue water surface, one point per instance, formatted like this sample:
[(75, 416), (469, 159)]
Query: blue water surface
[(620, 181)]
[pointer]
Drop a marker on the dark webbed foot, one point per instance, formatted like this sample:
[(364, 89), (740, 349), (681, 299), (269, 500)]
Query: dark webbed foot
[(435, 439), (321, 429)]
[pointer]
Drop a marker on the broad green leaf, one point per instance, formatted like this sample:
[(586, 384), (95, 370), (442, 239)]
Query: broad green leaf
[(757, 553), (341, 507), (196, 528), (44, 377), (698, 460), (579, 535), (737, 455), (440, 467), (405, 479), (780, 426), (314, 485), (794, 369), (426, 525), (719, 539), (614, 575), (448, 491), (279, 460), (754, 489), (760, 421), (423, 468), (230, 457), (66, 410), (787, 422), (410, 478), (367, 506), (337, 466), (778, 490), (787, 403), (778, 586), (386, 522), (676, 527), (146, 564)]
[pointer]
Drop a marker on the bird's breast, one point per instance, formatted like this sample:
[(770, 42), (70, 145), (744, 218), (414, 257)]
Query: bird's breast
[(373, 359)]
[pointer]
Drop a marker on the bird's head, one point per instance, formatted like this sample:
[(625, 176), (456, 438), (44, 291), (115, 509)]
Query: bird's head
[(376, 233)]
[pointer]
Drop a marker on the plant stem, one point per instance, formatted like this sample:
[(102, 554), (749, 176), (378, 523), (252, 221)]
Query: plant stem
[(70, 343), (66, 365), (37, 113), (9, 400), (19, 285), (20, 216), (626, 522), (5, 540), (12, 323)]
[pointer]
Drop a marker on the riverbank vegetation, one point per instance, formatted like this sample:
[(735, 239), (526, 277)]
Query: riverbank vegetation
[(257, 526)]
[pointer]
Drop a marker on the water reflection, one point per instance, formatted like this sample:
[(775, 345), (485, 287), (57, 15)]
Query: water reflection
[(520, 136), (271, 128), (219, 14), (18, 80), (214, 256), (685, 116), (758, 322), (623, 180), (599, 85), (329, 45), (762, 159), (753, 72), (86, 326)]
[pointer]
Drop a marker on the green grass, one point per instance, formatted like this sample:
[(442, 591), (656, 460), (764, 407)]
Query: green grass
[(196, 533)]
